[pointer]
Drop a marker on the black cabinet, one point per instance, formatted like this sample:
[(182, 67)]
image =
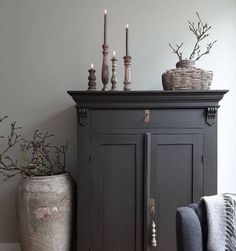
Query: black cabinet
[(141, 155)]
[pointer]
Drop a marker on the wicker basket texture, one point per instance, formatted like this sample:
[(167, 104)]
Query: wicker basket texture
[(186, 77)]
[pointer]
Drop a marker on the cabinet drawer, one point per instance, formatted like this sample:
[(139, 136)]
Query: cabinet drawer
[(158, 118)]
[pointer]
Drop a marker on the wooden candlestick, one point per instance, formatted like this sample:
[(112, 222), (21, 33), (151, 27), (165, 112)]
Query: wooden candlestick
[(114, 77), (92, 80), (105, 68), (127, 77)]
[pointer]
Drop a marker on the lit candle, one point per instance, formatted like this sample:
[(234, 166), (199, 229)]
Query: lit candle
[(105, 27), (127, 40), (114, 53), (92, 66)]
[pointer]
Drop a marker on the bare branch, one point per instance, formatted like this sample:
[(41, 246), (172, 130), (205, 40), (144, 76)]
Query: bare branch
[(13, 139), (200, 32), (2, 118), (176, 51), (6, 162), (209, 46), (60, 160)]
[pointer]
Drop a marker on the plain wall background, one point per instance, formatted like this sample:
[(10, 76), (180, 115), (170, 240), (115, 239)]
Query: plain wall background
[(47, 46)]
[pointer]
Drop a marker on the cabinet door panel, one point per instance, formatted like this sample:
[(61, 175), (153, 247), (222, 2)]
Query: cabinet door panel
[(176, 180), (117, 180)]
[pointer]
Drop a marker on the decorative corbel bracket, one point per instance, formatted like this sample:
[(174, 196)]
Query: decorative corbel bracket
[(83, 116), (211, 115)]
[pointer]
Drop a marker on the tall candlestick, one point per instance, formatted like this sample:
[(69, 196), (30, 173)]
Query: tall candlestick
[(127, 40), (105, 64), (105, 67), (127, 62), (105, 27)]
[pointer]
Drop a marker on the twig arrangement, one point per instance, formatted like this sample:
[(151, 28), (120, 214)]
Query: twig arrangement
[(38, 158), (200, 31), (8, 166)]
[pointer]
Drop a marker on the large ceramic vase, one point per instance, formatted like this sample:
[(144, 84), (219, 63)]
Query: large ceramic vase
[(44, 206)]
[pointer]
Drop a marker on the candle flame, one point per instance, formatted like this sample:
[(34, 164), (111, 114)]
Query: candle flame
[(114, 53), (127, 26), (105, 11), (92, 66)]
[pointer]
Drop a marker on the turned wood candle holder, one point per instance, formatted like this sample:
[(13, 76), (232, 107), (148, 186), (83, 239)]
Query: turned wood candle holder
[(114, 77), (105, 68), (127, 77), (92, 80)]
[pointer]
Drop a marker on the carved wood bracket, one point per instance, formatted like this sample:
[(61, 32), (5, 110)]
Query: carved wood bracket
[(83, 116), (211, 115)]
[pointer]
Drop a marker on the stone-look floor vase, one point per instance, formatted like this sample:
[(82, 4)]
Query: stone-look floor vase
[(44, 207)]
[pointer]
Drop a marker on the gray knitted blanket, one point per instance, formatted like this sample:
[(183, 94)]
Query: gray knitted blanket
[(221, 218)]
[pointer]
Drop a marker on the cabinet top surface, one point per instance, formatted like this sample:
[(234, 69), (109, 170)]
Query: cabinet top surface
[(149, 99)]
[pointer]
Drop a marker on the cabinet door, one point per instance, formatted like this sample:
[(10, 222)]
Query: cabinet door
[(117, 193), (176, 179)]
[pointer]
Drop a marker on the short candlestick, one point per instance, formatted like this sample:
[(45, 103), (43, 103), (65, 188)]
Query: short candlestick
[(114, 77), (92, 80), (127, 77)]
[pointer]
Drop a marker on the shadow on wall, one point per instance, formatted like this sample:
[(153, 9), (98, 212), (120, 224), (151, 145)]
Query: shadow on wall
[(63, 125)]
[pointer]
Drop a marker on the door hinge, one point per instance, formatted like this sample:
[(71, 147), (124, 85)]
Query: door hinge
[(203, 159)]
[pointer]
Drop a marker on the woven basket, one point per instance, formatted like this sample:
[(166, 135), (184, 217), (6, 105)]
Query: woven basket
[(186, 77)]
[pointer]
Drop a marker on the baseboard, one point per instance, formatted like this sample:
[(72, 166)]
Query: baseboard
[(9, 247)]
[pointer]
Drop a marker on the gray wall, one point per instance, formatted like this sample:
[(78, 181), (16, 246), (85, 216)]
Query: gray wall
[(47, 46)]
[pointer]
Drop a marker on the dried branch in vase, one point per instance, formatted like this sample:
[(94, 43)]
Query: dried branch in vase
[(8, 166), (200, 31), (176, 51), (37, 155), (60, 160)]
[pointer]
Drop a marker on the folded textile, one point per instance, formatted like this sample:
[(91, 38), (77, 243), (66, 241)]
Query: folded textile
[(221, 220)]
